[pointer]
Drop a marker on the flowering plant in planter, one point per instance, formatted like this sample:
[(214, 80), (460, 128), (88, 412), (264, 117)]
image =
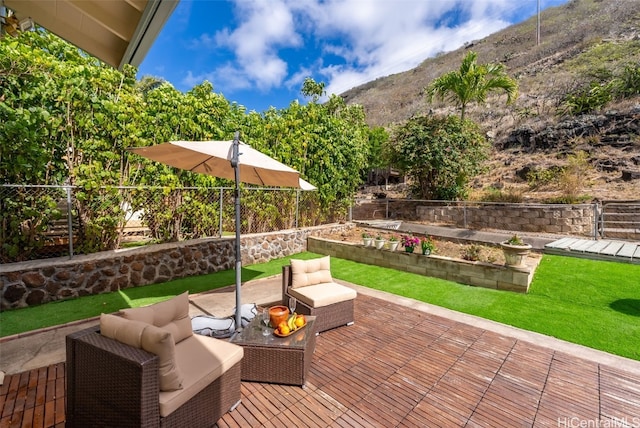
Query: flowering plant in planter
[(367, 239), (393, 242), (515, 240), (427, 245), (410, 243), (515, 251)]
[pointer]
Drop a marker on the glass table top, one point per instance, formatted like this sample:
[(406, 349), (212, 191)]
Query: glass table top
[(252, 334)]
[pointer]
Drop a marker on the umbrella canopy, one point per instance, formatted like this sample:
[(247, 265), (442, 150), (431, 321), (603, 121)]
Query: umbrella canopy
[(233, 160), (213, 158)]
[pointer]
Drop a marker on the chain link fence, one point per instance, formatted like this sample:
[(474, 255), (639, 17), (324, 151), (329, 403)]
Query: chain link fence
[(52, 221)]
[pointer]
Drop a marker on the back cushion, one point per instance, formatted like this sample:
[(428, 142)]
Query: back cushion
[(310, 272), (160, 342), (122, 330), (150, 338), (171, 315)]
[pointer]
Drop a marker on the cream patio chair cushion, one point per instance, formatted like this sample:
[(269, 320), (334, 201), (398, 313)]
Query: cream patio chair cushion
[(324, 294), (310, 272), (171, 315), (150, 338), (312, 283)]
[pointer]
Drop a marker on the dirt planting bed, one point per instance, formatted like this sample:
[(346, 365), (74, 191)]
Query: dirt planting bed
[(457, 250)]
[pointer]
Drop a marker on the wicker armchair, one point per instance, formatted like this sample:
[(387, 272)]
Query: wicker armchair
[(328, 316), (113, 384)]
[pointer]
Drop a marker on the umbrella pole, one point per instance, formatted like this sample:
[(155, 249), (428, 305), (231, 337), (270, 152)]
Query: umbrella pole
[(235, 163)]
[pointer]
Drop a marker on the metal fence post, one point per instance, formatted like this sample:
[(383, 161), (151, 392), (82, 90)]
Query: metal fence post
[(70, 221), (386, 214), (464, 213), (221, 201), (600, 221), (297, 206)]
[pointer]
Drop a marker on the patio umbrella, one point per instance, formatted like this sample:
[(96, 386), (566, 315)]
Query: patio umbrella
[(233, 160)]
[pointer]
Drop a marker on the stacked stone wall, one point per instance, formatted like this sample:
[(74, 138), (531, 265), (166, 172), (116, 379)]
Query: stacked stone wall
[(477, 274), (565, 219), (41, 281)]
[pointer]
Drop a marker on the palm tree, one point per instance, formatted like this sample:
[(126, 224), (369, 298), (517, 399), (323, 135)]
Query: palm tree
[(472, 82)]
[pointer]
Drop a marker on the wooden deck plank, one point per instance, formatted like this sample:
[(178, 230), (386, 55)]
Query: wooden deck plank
[(454, 375), (627, 250), (612, 249), (608, 250), (583, 245), (562, 243), (596, 246)]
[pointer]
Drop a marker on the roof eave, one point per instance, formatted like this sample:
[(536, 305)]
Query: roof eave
[(155, 15)]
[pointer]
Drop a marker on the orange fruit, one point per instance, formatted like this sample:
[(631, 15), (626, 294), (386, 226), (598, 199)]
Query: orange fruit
[(299, 321), (284, 330)]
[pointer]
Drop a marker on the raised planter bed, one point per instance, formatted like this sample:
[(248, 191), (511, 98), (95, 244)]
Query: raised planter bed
[(480, 274)]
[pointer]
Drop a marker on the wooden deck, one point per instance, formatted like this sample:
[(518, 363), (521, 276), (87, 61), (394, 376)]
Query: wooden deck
[(401, 367), (618, 251)]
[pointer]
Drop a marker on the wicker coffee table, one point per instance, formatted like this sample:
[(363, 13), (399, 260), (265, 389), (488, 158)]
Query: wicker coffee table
[(274, 359)]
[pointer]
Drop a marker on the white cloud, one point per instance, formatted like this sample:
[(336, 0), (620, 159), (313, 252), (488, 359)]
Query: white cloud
[(382, 37), (266, 26), (369, 38)]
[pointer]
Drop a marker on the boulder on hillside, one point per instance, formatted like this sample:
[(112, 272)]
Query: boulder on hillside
[(628, 175)]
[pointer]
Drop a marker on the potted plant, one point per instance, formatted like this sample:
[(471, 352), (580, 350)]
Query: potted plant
[(393, 242), (427, 245), (515, 251), (410, 243), (367, 239), (379, 242)]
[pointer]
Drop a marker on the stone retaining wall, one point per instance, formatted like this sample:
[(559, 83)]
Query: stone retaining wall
[(565, 219), (31, 283), (462, 271), (540, 218)]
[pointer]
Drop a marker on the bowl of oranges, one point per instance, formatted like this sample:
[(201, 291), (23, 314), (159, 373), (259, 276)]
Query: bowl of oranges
[(289, 326)]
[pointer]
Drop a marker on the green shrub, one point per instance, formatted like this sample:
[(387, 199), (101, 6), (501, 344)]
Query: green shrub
[(628, 84), (471, 252), (587, 99), (572, 176), (541, 177), (492, 194)]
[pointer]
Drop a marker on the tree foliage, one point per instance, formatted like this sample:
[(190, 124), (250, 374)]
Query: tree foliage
[(472, 82), (69, 119), (440, 154)]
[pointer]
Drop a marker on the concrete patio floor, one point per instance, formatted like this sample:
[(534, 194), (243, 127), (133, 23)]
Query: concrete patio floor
[(45, 347)]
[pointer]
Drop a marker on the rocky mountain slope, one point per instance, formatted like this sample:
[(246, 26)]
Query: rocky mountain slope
[(582, 41)]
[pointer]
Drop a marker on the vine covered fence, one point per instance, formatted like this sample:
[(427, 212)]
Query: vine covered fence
[(51, 221)]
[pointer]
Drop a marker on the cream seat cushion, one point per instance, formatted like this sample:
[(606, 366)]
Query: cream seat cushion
[(201, 360), (323, 294), (310, 272), (171, 315), (150, 338)]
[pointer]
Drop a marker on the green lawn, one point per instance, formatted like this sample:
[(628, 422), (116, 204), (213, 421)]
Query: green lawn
[(593, 303)]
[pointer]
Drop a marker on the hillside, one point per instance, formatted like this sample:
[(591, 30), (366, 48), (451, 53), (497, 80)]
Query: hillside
[(581, 42)]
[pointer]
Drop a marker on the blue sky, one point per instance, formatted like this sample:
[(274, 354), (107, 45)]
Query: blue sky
[(258, 52)]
